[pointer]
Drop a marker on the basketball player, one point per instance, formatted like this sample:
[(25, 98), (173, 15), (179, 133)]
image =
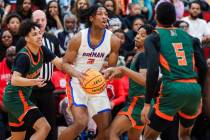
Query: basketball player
[(177, 54), (88, 49), (128, 119), (22, 113)]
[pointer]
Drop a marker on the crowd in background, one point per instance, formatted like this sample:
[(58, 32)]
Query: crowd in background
[(63, 22)]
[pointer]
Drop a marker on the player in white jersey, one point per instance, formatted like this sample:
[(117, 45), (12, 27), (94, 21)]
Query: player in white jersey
[(88, 49)]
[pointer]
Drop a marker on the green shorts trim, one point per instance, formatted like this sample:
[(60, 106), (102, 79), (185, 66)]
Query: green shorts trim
[(179, 97), (17, 105)]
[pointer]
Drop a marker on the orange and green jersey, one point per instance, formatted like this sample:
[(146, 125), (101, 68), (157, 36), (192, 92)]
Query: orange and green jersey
[(176, 55), (35, 66)]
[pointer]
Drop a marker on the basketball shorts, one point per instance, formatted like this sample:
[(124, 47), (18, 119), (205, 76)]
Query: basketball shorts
[(22, 113), (94, 103), (183, 98), (133, 110)]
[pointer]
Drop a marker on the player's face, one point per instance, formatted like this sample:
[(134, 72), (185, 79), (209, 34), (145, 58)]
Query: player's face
[(140, 37), (100, 19), (34, 38), (195, 10)]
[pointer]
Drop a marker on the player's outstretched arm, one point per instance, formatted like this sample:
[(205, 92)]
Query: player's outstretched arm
[(138, 77), (18, 80)]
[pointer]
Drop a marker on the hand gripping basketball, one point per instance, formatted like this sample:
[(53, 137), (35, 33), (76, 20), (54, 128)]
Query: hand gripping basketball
[(94, 82)]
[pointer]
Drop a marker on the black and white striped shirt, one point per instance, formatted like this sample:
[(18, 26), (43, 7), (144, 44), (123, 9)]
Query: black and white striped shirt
[(52, 43)]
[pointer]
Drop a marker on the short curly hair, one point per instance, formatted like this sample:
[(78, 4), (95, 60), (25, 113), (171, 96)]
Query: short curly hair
[(27, 26), (166, 14)]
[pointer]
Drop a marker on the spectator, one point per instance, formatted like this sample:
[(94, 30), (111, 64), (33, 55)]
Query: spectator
[(146, 6), (134, 12), (5, 74), (13, 22), (24, 9), (70, 29), (114, 21), (198, 27), (53, 13), (79, 6), (130, 35), (121, 35), (182, 24), (5, 42)]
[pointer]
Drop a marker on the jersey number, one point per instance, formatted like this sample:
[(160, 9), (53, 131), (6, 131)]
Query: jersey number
[(180, 54)]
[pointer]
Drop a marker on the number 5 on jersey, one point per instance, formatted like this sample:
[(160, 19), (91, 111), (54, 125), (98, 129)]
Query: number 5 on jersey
[(180, 54)]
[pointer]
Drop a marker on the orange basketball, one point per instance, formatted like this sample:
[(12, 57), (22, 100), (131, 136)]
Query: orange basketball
[(94, 82)]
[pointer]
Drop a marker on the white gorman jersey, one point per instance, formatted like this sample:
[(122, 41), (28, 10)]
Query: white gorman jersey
[(89, 56)]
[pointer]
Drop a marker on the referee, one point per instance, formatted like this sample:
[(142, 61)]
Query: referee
[(44, 97)]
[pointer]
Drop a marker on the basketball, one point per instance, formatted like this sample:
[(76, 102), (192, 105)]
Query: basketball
[(94, 82)]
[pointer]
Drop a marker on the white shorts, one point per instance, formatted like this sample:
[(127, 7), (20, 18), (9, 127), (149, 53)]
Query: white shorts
[(94, 103)]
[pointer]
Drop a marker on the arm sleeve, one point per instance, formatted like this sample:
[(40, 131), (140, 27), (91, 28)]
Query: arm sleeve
[(152, 59), (200, 62), (21, 64), (48, 55), (141, 61)]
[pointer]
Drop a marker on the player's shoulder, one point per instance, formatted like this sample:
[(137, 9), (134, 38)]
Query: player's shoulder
[(154, 36)]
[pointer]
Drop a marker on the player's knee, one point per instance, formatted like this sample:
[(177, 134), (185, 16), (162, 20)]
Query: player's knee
[(103, 125), (81, 123), (114, 131)]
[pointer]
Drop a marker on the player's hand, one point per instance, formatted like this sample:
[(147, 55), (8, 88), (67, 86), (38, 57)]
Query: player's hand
[(145, 113), (80, 76), (39, 82), (111, 73)]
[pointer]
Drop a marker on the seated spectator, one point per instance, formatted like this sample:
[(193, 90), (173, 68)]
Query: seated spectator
[(79, 6), (24, 9), (70, 29), (197, 27), (134, 12), (54, 18), (5, 75), (182, 24), (146, 6), (13, 22), (5, 42), (114, 21), (121, 35), (130, 35)]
